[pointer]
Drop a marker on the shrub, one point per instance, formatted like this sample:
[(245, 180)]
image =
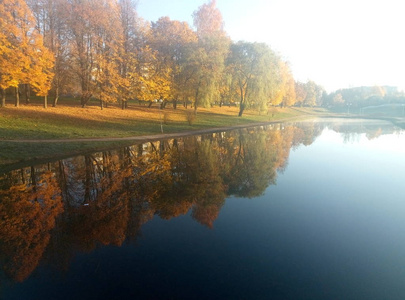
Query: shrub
[(190, 117)]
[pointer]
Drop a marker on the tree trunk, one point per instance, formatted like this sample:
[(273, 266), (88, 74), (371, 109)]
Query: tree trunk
[(242, 101), (101, 104), (174, 104), (150, 104), (197, 92), (45, 101), (241, 109), (163, 104), (85, 98), (27, 93), (17, 97), (55, 100), (3, 98)]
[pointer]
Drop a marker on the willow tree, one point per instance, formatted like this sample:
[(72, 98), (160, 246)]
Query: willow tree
[(209, 54), (254, 70)]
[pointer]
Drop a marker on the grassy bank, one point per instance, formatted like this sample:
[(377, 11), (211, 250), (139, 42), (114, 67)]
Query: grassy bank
[(32, 122), (66, 122)]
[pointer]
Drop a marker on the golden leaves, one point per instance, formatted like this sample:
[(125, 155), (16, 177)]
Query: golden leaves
[(23, 57)]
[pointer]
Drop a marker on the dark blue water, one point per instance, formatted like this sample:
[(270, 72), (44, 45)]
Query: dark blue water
[(330, 224)]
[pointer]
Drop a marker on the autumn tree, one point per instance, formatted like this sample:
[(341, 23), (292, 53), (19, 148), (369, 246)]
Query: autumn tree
[(137, 57), (150, 80), (279, 92), (41, 75), (207, 59), (131, 34), (291, 96), (149, 77), (169, 39), (109, 50), (314, 94), (9, 69), (82, 46), (300, 92), (285, 91), (23, 59), (96, 42), (15, 22), (253, 72), (51, 19)]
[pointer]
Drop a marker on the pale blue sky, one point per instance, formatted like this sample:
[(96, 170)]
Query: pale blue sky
[(335, 43)]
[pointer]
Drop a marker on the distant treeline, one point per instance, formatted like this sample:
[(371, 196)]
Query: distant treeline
[(365, 96), (103, 50)]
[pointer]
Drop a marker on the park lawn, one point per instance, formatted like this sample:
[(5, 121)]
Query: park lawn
[(66, 122), (33, 122)]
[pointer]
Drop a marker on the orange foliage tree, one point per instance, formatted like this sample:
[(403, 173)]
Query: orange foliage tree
[(23, 57)]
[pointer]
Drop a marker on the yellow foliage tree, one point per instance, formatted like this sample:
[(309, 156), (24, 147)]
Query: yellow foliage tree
[(285, 93), (16, 27), (109, 48), (23, 57), (169, 39), (41, 74), (151, 80)]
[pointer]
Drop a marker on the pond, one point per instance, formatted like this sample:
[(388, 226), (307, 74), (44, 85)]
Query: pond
[(305, 210)]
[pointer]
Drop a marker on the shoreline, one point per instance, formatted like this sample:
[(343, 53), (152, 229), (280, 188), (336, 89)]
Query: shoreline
[(153, 137), (114, 142)]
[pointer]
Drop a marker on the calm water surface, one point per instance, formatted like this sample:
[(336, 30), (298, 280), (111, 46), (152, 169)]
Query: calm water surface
[(311, 210)]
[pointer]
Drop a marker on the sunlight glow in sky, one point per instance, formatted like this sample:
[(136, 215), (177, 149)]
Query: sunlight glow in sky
[(338, 44)]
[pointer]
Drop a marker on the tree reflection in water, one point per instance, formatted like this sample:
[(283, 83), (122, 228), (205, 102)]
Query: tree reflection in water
[(49, 212)]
